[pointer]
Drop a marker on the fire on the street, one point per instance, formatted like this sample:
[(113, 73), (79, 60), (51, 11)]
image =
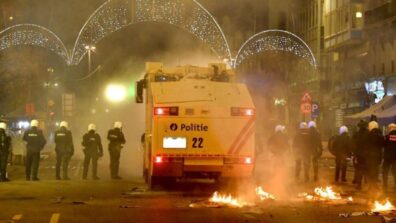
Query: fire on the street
[(226, 200), (383, 207), (324, 194), (264, 195), (327, 193)]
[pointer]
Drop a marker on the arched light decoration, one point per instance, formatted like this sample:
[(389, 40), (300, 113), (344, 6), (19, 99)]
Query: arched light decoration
[(117, 14), (275, 40), (32, 35)]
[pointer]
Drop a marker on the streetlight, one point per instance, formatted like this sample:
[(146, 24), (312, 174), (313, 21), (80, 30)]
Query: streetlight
[(115, 93), (90, 48)]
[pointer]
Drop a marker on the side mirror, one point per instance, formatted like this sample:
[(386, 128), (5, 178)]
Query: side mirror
[(139, 91)]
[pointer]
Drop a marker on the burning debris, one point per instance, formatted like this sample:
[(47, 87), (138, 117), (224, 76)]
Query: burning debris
[(226, 200), (324, 194), (219, 200), (327, 194), (385, 210), (383, 207), (222, 200), (264, 195)]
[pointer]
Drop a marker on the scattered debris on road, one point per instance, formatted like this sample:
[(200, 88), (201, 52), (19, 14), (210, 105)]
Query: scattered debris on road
[(135, 190), (57, 200), (78, 202), (385, 210), (130, 206)]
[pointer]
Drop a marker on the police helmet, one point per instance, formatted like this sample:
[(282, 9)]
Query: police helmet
[(91, 127), (118, 124), (343, 129), (372, 125), (311, 124), (34, 123), (64, 124), (303, 125)]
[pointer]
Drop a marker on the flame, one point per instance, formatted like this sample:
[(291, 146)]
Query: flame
[(327, 193), (226, 200), (382, 207), (264, 195), (324, 194)]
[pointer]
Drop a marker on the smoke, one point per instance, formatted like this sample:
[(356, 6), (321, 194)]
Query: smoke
[(122, 56)]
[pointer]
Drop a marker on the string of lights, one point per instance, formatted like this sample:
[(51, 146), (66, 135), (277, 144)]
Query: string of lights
[(275, 40), (32, 35), (189, 15), (108, 18)]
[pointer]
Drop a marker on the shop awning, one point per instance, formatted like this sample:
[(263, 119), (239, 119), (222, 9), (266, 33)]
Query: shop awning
[(387, 116), (384, 110)]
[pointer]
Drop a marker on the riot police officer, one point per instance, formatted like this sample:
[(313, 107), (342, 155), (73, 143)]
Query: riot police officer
[(315, 147), (389, 156), (342, 149), (35, 142), (5, 146), (373, 148), (64, 150), (116, 140), (302, 151), (92, 150)]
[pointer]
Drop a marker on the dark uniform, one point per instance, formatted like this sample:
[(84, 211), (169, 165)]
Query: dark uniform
[(373, 155), (116, 140), (389, 158), (341, 149), (278, 144), (35, 143), (303, 152), (5, 146), (359, 161), (92, 150), (64, 149), (316, 148)]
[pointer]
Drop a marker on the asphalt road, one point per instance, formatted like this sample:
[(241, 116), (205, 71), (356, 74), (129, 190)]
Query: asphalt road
[(129, 201)]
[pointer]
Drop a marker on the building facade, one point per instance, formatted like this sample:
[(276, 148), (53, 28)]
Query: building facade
[(354, 42)]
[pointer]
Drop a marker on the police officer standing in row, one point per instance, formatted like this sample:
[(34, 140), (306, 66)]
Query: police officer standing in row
[(389, 156), (359, 160), (373, 148), (315, 147), (92, 150), (341, 149), (5, 146), (64, 150), (35, 143), (116, 140), (301, 147)]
